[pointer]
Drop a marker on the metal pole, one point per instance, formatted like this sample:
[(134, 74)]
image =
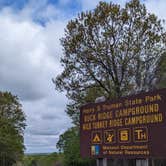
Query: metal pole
[(105, 162), (144, 162), (101, 161), (153, 162)]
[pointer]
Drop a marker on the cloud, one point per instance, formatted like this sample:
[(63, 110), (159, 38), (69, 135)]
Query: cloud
[(45, 124), (157, 7), (41, 144), (29, 55), (29, 59), (88, 5), (50, 116)]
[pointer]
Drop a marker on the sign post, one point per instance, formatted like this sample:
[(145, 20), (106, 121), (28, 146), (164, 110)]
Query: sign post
[(101, 161), (142, 162), (126, 128)]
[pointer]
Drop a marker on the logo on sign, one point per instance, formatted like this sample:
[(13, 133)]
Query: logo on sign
[(109, 136), (140, 134), (124, 135), (96, 137), (95, 150)]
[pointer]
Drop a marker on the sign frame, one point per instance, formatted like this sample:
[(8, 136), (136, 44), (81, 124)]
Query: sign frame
[(121, 119)]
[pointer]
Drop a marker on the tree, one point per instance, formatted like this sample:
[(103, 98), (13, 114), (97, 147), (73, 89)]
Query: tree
[(112, 51), (161, 72), (12, 125), (69, 144), (110, 48)]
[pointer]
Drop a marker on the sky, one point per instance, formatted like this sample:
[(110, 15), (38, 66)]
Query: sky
[(30, 54)]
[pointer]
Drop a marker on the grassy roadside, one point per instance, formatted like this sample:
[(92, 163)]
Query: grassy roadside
[(53, 159)]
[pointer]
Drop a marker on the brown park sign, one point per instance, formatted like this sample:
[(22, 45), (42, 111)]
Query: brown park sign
[(130, 127)]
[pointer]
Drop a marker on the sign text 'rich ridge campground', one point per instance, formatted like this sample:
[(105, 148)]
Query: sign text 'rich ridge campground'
[(130, 127)]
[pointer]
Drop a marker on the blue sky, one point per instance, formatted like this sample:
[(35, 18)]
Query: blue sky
[(30, 52), (67, 6)]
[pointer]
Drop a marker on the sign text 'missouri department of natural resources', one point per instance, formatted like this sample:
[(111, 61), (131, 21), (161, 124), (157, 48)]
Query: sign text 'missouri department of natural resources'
[(131, 127)]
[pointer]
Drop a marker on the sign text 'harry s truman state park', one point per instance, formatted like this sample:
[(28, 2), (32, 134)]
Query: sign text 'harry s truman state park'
[(130, 127)]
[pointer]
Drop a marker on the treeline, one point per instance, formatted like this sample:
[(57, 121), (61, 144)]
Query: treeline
[(111, 51), (53, 159), (12, 125)]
